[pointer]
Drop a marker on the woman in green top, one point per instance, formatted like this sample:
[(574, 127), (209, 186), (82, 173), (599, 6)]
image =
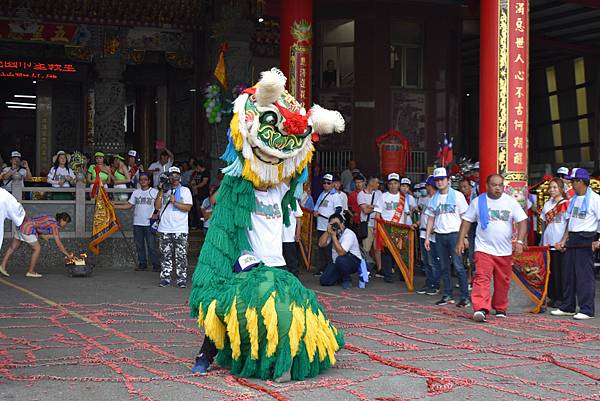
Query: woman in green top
[(106, 175), (121, 176)]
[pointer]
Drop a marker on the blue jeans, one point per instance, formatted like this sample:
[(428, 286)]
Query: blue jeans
[(341, 269), (444, 244), (431, 263), (142, 236)]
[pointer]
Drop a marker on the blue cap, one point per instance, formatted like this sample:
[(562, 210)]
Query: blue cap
[(430, 181), (579, 174)]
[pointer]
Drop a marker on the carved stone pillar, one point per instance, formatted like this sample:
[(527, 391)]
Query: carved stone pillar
[(109, 91)]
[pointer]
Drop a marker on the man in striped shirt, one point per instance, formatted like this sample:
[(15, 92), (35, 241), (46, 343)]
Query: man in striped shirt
[(32, 227)]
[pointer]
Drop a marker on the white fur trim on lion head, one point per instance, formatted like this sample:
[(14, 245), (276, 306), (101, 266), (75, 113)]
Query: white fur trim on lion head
[(270, 87), (326, 121)]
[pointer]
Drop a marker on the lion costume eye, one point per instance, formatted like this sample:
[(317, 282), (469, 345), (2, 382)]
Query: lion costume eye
[(269, 117)]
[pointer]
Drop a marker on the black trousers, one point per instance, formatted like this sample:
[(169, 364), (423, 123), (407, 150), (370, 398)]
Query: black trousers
[(208, 350), (324, 255), (555, 287), (290, 254), (579, 282)]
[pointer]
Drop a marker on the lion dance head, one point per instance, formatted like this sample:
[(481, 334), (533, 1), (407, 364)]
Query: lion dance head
[(271, 135)]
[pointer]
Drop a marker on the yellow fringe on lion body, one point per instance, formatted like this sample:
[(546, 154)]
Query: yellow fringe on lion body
[(296, 328), (269, 314), (310, 338), (233, 330), (328, 338), (250, 175), (213, 327), (252, 328), (200, 316)]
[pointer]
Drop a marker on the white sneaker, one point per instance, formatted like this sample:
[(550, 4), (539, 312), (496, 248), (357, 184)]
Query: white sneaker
[(34, 275), (558, 312), (3, 271), (582, 316)]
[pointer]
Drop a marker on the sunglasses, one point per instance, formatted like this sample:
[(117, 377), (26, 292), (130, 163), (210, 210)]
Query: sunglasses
[(326, 183)]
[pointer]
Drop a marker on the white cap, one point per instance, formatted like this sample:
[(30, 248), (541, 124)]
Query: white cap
[(405, 181), (174, 170), (440, 172), (15, 154), (393, 176), (562, 170), (328, 177), (475, 166), (245, 262), (132, 153)]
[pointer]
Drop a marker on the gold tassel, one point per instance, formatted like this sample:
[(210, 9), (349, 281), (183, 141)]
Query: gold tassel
[(296, 328), (250, 175), (252, 328), (269, 314), (310, 337), (213, 327), (233, 330)]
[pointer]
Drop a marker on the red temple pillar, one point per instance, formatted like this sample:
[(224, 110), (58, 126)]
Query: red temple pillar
[(296, 47), (504, 82)]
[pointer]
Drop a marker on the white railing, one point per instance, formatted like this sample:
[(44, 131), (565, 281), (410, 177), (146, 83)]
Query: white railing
[(337, 160), (80, 208)]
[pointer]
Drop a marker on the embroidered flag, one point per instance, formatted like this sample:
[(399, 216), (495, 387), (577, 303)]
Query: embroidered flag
[(220, 72), (306, 237), (399, 239), (531, 271), (105, 221)]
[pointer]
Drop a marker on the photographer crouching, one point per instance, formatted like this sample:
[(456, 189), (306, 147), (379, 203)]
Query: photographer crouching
[(173, 226), (345, 253)]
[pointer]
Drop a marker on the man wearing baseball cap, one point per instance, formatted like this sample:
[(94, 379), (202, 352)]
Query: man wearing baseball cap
[(579, 283), (390, 206), (429, 257), (328, 203), (16, 167), (133, 167), (173, 228), (445, 211), (410, 203)]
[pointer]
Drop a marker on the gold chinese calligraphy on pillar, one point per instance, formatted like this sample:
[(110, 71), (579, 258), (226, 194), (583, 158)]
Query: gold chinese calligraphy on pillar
[(513, 87)]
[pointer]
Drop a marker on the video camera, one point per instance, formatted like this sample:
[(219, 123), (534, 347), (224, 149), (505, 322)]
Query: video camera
[(164, 183)]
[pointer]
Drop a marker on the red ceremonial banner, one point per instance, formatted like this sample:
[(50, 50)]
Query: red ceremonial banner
[(531, 271)]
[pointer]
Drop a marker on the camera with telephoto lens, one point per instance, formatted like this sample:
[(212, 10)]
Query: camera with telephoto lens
[(164, 183), (336, 226)]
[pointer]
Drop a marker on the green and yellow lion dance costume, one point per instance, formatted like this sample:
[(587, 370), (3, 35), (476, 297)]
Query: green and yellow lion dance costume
[(264, 322)]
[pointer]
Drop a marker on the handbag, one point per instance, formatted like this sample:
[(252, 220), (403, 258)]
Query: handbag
[(363, 227)]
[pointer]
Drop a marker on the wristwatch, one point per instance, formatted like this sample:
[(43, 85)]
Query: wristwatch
[(520, 242)]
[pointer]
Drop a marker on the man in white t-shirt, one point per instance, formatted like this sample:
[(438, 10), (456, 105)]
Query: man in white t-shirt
[(161, 166), (142, 202), (328, 203), (445, 209), (495, 213), (410, 203), (579, 282), (367, 199), (11, 209), (429, 257), (174, 206), (345, 253), (389, 207), (16, 167), (291, 236), (134, 168)]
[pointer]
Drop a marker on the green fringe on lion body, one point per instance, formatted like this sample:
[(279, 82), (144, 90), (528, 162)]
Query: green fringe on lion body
[(264, 322)]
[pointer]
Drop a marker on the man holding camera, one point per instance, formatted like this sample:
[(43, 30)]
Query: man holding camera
[(16, 167), (345, 253), (173, 227)]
